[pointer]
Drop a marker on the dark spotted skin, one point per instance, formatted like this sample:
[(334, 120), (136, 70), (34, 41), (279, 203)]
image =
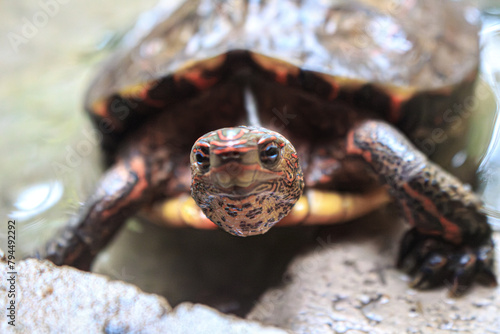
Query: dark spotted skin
[(450, 239)]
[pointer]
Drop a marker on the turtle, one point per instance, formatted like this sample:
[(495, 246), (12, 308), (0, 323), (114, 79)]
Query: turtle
[(237, 119)]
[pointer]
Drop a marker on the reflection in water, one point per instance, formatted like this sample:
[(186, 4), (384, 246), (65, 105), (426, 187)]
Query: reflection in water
[(36, 199), (489, 169)]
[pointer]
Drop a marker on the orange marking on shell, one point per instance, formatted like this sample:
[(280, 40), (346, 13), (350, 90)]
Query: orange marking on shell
[(141, 92), (395, 112), (196, 78), (154, 103), (281, 75), (100, 108), (335, 90), (451, 230), (398, 96), (280, 68), (138, 91)]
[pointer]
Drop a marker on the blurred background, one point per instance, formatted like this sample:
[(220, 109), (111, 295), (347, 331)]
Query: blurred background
[(48, 55), (43, 78)]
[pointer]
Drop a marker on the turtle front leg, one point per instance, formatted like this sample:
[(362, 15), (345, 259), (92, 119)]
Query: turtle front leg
[(450, 242), (119, 194)]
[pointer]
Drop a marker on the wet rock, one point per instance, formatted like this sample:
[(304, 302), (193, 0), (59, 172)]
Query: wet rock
[(52, 299)]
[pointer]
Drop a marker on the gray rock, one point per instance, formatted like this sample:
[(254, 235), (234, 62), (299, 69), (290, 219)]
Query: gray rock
[(52, 299), (348, 284)]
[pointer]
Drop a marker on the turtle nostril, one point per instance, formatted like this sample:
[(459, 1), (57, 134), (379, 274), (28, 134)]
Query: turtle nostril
[(232, 155)]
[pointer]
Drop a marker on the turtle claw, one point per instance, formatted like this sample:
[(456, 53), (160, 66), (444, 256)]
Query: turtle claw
[(434, 262), (434, 269), (487, 278), (407, 244)]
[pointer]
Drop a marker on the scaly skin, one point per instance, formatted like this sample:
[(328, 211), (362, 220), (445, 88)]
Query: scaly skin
[(119, 194), (451, 239), (234, 185)]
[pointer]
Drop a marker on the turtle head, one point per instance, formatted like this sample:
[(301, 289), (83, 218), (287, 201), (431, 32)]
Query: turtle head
[(245, 179)]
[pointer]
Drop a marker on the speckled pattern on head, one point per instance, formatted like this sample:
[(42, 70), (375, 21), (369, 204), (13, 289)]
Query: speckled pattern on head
[(245, 179)]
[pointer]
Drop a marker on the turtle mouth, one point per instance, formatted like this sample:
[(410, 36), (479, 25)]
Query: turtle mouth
[(236, 180), (239, 191)]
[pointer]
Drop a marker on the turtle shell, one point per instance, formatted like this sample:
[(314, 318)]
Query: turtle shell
[(315, 67)]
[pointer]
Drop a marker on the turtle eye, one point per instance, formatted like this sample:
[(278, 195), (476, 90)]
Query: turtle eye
[(202, 158), (269, 154)]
